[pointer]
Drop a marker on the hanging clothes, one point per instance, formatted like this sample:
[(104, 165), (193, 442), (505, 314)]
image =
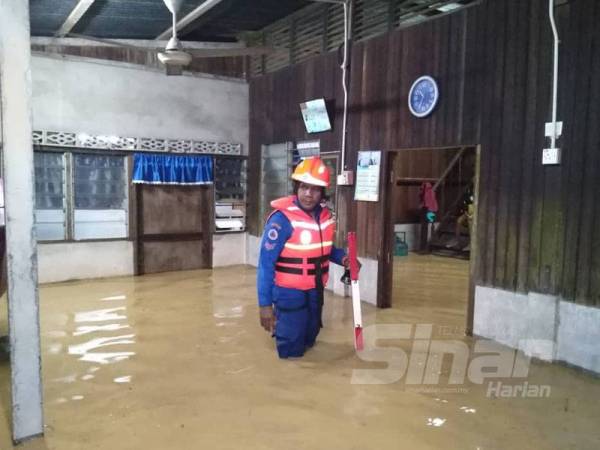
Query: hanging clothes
[(428, 198)]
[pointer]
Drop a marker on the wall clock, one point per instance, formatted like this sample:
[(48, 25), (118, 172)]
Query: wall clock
[(423, 96)]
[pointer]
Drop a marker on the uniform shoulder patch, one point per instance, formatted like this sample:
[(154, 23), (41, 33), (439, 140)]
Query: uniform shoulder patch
[(273, 234)]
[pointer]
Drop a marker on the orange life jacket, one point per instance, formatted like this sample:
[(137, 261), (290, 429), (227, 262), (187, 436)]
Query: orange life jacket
[(310, 243)]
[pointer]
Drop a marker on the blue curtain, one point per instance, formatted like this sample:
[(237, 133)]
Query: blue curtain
[(170, 169)]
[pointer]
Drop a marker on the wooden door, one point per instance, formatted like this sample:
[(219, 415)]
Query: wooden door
[(174, 228)]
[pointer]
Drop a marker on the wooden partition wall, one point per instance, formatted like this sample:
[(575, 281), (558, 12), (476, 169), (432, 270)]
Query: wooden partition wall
[(539, 226)]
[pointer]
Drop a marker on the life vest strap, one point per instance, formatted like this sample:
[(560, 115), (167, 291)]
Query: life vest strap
[(315, 260), (292, 270), (324, 270), (322, 259), (298, 271), (287, 260)]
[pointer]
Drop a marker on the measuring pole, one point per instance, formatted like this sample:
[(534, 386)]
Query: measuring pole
[(354, 268)]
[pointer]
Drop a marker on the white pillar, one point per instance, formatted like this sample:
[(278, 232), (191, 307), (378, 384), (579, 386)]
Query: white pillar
[(23, 308)]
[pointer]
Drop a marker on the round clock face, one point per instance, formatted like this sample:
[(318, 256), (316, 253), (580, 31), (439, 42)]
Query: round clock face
[(423, 96)]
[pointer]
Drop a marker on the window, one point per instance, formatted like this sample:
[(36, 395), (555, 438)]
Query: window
[(230, 194), (100, 193), (331, 163), (80, 196), (230, 179), (276, 170), (50, 208)]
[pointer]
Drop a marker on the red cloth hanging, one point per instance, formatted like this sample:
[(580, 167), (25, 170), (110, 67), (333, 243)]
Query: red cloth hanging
[(428, 199)]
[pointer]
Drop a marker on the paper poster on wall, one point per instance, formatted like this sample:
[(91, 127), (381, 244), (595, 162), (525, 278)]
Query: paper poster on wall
[(367, 176)]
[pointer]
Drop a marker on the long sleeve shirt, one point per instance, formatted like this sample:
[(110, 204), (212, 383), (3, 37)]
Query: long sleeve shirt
[(278, 230)]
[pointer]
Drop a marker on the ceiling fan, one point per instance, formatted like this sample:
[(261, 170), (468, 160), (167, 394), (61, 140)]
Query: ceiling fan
[(175, 56)]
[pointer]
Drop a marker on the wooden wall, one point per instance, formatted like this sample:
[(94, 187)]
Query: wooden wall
[(538, 226)]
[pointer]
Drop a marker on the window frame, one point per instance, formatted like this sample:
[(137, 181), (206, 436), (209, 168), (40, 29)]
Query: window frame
[(69, 193), (287, 155), (234, 204)]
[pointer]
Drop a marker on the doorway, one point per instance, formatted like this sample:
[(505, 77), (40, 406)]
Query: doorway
[(174, 228), (430, 223)]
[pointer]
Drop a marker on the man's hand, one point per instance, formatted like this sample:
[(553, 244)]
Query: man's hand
[(346, 262), (267, 318)]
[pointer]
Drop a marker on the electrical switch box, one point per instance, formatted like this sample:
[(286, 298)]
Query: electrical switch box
[(346, 178), (551, 156)]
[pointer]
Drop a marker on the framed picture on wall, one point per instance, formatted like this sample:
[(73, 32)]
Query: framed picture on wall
[(368, 168)]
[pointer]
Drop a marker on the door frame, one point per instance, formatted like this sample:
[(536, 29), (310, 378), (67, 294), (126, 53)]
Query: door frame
[(386, 250)]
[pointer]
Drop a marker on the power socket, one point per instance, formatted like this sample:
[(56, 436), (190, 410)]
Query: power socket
[(346, 178), (551, 156)]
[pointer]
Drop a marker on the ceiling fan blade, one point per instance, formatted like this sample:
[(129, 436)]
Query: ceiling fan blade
[(217, 52), (231, 52), (108, 42)]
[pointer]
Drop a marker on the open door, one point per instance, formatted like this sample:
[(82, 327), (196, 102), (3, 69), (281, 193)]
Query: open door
[(174, 228)]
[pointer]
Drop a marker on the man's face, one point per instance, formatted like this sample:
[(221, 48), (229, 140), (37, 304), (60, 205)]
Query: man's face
[(309, 196)]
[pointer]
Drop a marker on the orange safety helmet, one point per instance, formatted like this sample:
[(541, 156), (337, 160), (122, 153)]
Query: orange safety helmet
[(312, 171)]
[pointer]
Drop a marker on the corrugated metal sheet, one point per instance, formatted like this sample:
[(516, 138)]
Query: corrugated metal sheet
[(129, 19), (46, 16)]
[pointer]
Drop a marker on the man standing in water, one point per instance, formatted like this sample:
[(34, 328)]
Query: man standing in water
[(293, 266)]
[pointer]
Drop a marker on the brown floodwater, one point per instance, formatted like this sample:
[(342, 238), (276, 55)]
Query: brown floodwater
[(179, 361)]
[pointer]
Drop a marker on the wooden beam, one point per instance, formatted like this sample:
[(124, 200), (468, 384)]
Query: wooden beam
[(78, 12), (449, 168)]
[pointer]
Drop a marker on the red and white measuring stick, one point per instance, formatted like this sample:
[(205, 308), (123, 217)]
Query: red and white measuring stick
[(354, 268)]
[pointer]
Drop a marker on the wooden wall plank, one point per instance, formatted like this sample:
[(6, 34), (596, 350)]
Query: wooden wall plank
[(472, 87), (476, 74), (505, 138), (515, 138), (575, 154), (394, 94), (544, 93), (492, 133), (530, 151), (440, 117), (588, 285), (454, 80)]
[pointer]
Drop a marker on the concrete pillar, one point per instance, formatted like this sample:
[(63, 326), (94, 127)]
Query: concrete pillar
[(23, 307)]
